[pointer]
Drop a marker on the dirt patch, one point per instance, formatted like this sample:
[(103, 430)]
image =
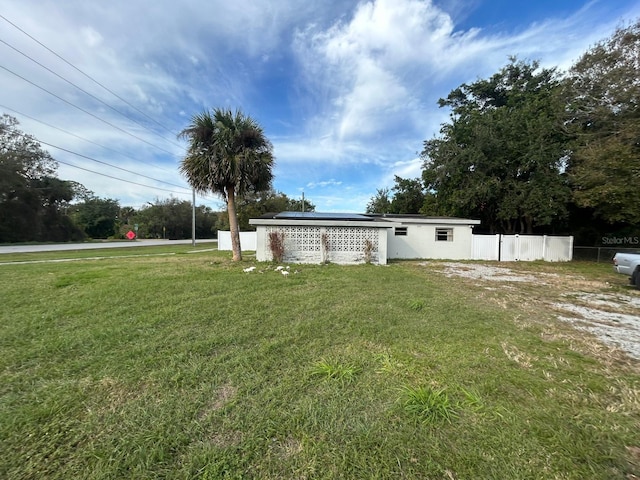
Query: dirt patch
[(484, 272), (224, 394), (616, 329), (614, 319), (286, 448), (226, 439)]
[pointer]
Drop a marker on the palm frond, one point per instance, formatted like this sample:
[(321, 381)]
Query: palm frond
[(227, 150)]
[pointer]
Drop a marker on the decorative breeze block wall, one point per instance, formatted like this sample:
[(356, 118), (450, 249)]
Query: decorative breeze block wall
[(308, 244)]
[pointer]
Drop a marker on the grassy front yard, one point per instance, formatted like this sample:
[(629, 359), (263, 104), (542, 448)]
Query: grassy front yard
[(183, 366)]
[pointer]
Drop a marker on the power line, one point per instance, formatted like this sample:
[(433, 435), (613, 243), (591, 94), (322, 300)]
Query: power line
[(204, 197), (123, 169), (81, 138), (85, 92), (110, 165), (86, 111), (97, 83), (120, 179), (105, 163), (86, 75)]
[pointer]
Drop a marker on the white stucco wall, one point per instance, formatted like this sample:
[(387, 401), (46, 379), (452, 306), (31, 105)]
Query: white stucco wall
[(420, 242), (247, 240)]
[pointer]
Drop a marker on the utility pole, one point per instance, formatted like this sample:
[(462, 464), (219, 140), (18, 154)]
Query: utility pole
[(193, 219)]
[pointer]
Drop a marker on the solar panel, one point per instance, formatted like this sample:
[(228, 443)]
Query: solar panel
[(322, 216)]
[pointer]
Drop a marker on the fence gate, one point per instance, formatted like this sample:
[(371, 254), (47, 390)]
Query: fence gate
[(509, 248)]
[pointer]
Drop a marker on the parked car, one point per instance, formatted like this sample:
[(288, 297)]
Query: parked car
[(628, 264)]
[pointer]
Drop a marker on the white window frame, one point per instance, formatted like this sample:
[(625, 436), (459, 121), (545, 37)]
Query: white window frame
[(444, 234)]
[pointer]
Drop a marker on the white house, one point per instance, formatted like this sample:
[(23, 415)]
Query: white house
[(353, 238), (430, 237)]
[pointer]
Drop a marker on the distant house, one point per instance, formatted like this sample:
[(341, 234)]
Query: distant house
[(347, 238)]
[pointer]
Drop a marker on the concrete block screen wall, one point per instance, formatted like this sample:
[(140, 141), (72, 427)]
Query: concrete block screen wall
[(322, 243)]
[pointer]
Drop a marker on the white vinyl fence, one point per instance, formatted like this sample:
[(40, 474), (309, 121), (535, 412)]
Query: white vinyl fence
[(248, 240), (511, 248)]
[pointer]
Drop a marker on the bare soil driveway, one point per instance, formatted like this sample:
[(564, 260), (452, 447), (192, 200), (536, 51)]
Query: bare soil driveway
[(608, 311)]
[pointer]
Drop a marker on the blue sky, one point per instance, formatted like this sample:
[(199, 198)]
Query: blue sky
[(346, 90)]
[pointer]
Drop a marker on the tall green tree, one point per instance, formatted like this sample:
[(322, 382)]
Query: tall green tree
[(172, 218), (501, 156), (98, 217), (408, 195), (380, 202), (405, 197), (602, 92), (230, 155), (255, 204), (33, 201)]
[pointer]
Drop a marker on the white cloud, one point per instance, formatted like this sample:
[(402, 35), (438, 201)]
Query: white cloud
[(325, 183), (377, 65), (407, 169), (382, 69)]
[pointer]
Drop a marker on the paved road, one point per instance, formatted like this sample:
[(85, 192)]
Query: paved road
[(90, 246)]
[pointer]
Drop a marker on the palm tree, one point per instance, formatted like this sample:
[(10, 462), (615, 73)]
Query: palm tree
[(229, 155)]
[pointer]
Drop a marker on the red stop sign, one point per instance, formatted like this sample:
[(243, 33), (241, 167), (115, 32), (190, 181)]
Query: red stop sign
[(131, 235)]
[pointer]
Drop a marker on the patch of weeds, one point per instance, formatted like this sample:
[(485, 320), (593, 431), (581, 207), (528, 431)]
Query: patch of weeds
[(416, 305), (472, 400), (335, 371), (427, 404), (388, 364)]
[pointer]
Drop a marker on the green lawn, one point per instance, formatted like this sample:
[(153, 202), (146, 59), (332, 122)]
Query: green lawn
[(179, 365)]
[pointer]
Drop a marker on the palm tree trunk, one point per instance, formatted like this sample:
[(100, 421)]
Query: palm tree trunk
[(233, 223)]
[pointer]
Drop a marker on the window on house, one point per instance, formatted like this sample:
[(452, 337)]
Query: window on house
[(444, 234), (401, 231)]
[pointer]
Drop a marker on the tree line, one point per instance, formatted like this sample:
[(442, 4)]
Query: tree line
[(533, 150)]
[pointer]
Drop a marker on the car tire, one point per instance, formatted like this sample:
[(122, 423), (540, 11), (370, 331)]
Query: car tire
[(637, 278)]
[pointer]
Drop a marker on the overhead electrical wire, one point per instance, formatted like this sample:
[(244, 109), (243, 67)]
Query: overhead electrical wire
[(104, 163), (85, 111), (87, 93), (188, 192), (86, 74), (120, 179), (94, 116), (81, 138), (95, 160), (112, 166)]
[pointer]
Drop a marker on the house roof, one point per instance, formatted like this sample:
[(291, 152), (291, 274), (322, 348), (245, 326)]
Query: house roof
[(355, 219), (322, 219), (423, 219), (323, 216)]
